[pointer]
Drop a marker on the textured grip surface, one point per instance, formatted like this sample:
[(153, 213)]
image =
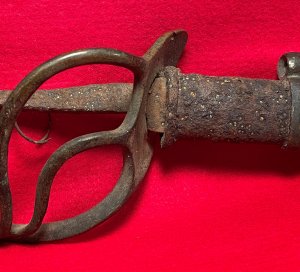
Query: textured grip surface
[(224, 108)]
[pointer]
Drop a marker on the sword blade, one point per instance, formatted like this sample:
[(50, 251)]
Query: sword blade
[(113, 97)]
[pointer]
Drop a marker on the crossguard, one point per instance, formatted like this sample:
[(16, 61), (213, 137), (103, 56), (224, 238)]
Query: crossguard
[(131, 135)]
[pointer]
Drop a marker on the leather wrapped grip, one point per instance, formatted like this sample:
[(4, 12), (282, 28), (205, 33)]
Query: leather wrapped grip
[(226, 108)]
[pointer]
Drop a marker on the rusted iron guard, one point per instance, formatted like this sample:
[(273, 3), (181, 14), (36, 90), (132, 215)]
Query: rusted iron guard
[(131, 134), (162, 99)]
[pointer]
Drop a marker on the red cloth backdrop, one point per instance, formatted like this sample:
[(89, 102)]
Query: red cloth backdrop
[(202, 206)]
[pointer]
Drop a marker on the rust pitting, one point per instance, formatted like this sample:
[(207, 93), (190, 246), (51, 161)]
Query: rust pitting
[(113, 97), (162, 99), (131, 134), (232, 109)]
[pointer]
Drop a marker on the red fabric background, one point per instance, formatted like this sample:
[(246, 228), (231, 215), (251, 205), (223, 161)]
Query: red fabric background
[(202, 206)]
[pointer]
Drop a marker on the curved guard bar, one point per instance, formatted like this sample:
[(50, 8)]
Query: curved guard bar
[(80, 223), (13, 107), (184, 105), (131, 135)]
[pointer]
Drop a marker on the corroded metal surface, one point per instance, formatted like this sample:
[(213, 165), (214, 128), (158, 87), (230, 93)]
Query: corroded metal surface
[(289, 66), (224, 108), (34, 230), (93, 98), (131, 135), (162, 99), (156, 105)]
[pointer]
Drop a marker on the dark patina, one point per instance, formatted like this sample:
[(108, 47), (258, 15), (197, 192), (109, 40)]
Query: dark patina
[(161, 99)]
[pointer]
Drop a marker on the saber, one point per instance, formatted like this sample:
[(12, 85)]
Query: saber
[(161, 99)]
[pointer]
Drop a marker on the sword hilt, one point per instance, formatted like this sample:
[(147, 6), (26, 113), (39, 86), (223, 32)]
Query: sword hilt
[(162, 100), (131, 135)]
